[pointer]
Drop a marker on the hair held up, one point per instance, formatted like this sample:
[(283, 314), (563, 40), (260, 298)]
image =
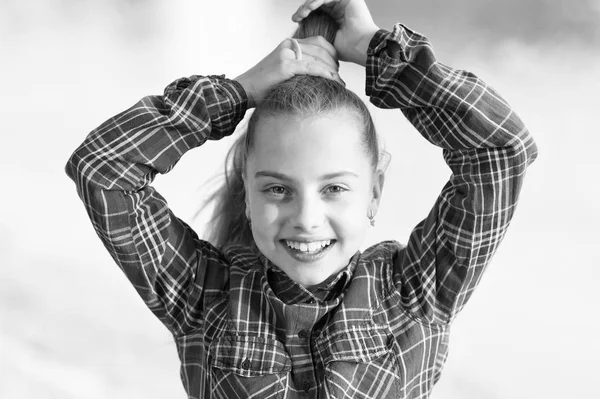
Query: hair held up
[(300, 95)]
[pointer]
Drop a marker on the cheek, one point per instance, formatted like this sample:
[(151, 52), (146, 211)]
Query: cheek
[(265, 216), (267, 226), (349, 221), (350, 216)]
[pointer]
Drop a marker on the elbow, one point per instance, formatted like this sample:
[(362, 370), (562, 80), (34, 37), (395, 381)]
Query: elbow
[(519, 154), (531, 149), (520, 141), (508, 131), (71, 166), (525, 147), (76, 167)]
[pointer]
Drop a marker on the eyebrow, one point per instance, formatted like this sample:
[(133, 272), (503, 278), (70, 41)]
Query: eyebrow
[(281, 176)]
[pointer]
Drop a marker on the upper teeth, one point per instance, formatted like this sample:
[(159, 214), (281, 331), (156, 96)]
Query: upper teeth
[(308, 246)]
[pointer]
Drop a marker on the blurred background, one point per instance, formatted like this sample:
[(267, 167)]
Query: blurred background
[(72, 327)]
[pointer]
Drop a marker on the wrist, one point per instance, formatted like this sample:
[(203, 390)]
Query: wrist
[(362, 46), (248, 89)]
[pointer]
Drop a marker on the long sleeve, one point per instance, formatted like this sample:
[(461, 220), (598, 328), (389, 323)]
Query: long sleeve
[(487, 148), (174, 272)]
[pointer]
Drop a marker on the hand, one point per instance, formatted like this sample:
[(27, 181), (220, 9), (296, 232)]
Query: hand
[(356, 26), (319, 58)]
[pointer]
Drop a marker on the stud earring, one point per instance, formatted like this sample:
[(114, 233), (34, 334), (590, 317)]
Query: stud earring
[(371, 217), (248, 216)]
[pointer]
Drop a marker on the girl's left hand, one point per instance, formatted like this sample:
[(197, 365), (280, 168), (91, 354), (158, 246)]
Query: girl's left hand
[(356, 26)]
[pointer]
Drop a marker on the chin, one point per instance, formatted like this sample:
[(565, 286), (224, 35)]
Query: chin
[(307, 268), (307, 274), (311, 278)]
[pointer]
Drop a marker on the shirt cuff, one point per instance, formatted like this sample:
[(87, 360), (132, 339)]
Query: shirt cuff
[(234, 92), (378, 53)]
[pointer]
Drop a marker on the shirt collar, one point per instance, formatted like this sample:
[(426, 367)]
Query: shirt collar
[(290, 292)]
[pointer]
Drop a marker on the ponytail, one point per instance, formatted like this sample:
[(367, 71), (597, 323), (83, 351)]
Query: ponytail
[(318, 23), (300, 94)]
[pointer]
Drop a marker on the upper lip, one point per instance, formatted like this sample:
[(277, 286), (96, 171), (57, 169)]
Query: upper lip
[(307, 240)]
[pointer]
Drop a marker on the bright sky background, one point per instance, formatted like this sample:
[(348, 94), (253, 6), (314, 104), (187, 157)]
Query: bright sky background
[(71, 326)]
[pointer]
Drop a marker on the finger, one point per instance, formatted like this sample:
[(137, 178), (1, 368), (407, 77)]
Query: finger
[(307, 7), (320, 54), (328, 64), (317, 46), (321, 42), (311, 53), (315, 68)]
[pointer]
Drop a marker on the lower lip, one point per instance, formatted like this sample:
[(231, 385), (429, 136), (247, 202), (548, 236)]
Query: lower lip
[(307, 257)]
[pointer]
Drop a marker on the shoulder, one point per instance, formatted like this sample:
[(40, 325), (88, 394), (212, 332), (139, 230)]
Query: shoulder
[(376, 263), (384, 251), (242, 257), (221, 264)]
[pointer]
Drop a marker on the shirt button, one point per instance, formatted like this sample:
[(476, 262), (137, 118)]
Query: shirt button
[(306, 386), (303, 334), (246, 364)]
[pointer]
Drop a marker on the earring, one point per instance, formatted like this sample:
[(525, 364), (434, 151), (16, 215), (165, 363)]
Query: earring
[(371, 216), (248, 216)]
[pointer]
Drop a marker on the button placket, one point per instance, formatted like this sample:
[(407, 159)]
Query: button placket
[(319, 367), (301, 320)]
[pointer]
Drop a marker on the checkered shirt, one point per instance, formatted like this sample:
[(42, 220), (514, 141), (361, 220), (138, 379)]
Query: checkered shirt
[(243, 329)]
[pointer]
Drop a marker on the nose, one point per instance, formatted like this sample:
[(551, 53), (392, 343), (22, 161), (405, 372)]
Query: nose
[(309, 213)]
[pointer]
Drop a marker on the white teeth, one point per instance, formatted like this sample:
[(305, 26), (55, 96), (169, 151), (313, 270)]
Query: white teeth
[(308, 246)]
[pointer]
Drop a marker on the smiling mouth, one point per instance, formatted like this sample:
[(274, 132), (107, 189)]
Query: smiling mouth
[(307, 251), (308, 247)]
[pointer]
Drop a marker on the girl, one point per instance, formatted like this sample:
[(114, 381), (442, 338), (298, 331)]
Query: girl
[(282, 304)]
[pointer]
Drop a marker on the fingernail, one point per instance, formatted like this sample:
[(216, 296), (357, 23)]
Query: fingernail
[(338, 78)]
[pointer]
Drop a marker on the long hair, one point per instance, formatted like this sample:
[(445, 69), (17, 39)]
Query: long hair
[(301, 95)]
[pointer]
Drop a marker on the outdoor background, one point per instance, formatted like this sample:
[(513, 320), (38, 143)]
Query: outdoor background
[(72, 327)]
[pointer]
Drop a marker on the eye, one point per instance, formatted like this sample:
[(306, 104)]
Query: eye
[(335, 189), (277, 190)]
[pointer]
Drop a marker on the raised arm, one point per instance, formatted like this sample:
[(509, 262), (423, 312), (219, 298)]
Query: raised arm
[(172, 270), (175, 273), (486, 146)]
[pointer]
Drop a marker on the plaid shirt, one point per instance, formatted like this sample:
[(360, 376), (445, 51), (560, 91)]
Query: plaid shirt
[(378, 329)]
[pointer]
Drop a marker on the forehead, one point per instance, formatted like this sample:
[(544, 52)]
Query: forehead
[(309, 146)]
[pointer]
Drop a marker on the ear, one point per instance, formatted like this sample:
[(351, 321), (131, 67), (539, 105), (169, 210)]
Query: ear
[(378, 180)]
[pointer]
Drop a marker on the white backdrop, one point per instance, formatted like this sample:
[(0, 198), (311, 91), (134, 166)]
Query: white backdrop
[(72, 327)]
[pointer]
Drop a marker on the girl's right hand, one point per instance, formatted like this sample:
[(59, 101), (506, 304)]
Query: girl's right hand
[(319, 58)]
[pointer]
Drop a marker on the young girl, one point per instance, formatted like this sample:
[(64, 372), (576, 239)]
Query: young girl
[(282, 304)]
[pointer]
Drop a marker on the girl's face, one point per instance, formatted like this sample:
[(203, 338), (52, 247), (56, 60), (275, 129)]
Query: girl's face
[(309, 188)]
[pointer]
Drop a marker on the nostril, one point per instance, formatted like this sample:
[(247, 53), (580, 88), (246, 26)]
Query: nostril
[(308, 220), (309, 214)]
